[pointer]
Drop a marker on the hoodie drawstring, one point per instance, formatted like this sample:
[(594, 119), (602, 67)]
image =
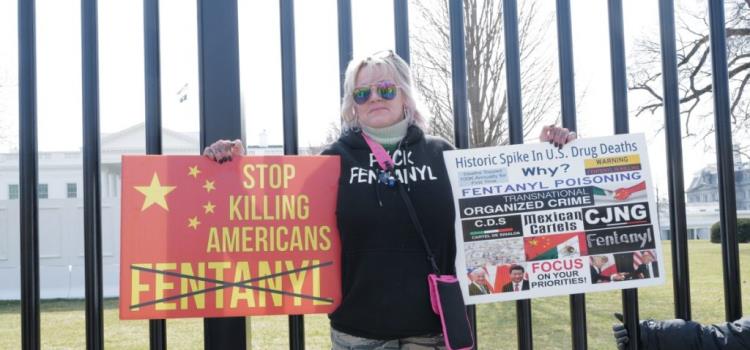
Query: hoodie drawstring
[(377, 193)]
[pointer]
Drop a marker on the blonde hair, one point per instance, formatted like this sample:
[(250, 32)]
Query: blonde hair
[(396, 67)]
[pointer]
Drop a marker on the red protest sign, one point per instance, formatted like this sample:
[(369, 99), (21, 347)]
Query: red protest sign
[(255, 236)]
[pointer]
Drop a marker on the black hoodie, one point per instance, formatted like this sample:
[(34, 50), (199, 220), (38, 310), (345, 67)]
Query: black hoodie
[(384, 264)]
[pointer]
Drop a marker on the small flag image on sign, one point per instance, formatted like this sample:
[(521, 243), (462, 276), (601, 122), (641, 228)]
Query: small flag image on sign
[(566, 245)]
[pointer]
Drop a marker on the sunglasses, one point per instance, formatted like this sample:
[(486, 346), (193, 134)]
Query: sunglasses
[(385, 89)]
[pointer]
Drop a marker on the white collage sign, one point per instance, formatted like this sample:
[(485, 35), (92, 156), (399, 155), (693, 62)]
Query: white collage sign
[(537, 220)]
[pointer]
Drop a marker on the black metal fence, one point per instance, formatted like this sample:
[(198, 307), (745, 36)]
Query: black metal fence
[(220, 99)]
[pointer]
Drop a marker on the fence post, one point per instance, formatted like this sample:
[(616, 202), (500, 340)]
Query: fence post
[(515, 123), (289, 97), (220, 118), (620, 105), (724, 152), (460, 104), (401, 28), (568, 109), (345, 39), (157, 329), (91, 176), (677, 220), (28, 175), (565, 62)]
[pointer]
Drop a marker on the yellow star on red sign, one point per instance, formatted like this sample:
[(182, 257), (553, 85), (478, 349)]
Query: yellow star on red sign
[(155, 193), (209, 207), (533, 242), (193, 222), (194, 171), (209, 186)]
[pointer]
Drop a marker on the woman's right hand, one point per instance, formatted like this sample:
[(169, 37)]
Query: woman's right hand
[(223, 150), (557, 136)]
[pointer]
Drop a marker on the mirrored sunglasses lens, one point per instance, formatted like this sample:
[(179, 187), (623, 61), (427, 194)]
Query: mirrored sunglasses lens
[(361, 95), (387, 91)]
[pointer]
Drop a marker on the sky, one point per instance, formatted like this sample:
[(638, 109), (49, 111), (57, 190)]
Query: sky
[(121, 68)]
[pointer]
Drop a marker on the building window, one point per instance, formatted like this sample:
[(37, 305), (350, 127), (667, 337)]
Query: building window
[(12, 191), (41, 191), (72, 190)]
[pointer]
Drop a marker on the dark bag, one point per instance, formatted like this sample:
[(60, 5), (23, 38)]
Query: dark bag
[(448, 303)]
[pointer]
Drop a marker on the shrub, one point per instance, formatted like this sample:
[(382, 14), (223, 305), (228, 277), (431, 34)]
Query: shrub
[(743, 231)]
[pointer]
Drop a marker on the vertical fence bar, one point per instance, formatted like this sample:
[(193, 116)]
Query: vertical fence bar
[(153, 76), (630, 312), (568, 109), (401, 28), (617, 66), (28, 175), (677, 220), (515, 124), (565, 62), (620, 105), (289, 97), (220, 118), (91, 176), (513, 71), (460, 103), (157, 329), (458, 67), (578, 320), (346, 50), (727, 205), (289, 77)]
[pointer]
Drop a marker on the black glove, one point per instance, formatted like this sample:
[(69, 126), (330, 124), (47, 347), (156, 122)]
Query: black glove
[(620, 333)]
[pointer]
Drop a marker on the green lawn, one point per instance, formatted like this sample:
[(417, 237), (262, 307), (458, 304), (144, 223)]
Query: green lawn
[(63, 324)]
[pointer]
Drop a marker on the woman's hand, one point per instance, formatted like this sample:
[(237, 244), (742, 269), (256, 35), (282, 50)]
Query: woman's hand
[(558, 136), (223, 150)]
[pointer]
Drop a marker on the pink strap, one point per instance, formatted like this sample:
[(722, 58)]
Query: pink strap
[(384, 160)]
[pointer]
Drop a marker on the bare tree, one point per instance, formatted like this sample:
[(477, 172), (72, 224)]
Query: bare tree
[(332, 134), (694, 71), (485, 68)]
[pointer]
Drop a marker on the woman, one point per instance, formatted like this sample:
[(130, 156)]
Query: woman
[(385, 300)]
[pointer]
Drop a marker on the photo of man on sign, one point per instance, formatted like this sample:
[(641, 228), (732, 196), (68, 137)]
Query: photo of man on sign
[(517, 281), (604, 270), (645, 264), (478, 282)]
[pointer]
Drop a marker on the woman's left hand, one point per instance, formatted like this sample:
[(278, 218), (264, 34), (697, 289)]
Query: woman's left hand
[(223, 150), (558, 136)]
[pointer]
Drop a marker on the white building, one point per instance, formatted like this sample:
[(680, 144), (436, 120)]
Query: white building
[(61, 212), (702, 200)]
